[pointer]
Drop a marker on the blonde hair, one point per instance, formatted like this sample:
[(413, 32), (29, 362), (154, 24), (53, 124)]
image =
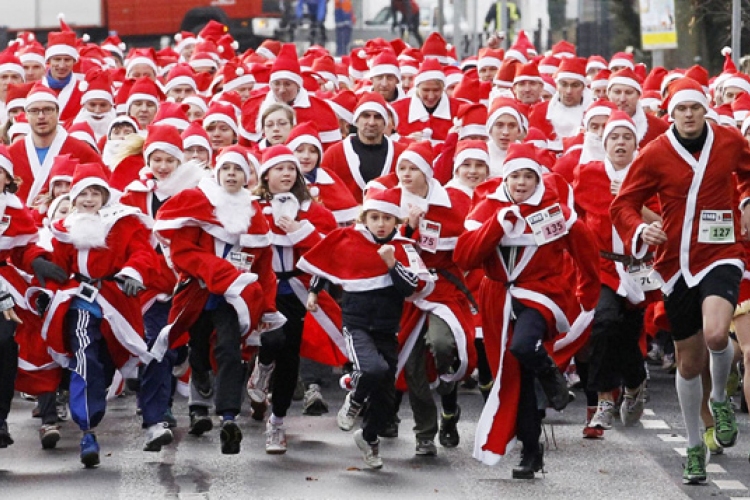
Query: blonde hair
[(131, 145), (279, 106)]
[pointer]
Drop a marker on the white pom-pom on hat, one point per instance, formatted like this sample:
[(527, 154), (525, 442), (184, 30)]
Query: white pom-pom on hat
[(85, 37), (655, 106), (83, 86), (240, 71), (235, 45), (315, 191), (726, 51), (362, 54), (178, 37), (629, 49), (32, 36), (60, 16), (122, 46), (267, 210), (220, 49)]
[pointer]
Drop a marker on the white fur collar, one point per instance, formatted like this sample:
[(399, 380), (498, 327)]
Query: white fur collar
[(613, 173), (641, 123), (418, 111), (501, 194)]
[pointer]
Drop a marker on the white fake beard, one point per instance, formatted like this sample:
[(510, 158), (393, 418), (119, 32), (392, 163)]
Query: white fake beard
[(86, 230), (101, 126), (186, 176), (235, 211), (593, 148), (111, 150)]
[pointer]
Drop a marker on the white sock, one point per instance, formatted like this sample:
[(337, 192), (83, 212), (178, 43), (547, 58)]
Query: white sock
[(721, 365), (690, 395), (276, 421)]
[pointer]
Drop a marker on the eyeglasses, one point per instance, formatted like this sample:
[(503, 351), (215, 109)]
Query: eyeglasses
[(41, 111), (280, 124)]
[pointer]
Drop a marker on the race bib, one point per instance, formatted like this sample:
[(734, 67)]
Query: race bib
[(716, 226), (415, 261), (243, 261), (429, 235), (4, 223), (642, 275), (547, 225)]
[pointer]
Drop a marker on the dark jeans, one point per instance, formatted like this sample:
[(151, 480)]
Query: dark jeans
[(156, 377), (227, 352), (8, 365), (616, 357)]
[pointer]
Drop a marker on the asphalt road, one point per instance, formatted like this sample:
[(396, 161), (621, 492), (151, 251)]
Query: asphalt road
[(323, 462)]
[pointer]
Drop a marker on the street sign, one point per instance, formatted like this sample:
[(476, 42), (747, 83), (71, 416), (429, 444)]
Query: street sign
[(658, 26)]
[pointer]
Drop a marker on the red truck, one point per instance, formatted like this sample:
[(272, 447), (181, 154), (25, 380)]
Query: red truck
[(143, 21)]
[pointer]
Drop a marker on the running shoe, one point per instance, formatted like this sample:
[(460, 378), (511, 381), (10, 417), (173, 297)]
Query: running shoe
[(348, 413), (726, 427), (370, 451), (709, 438), (695, 468)]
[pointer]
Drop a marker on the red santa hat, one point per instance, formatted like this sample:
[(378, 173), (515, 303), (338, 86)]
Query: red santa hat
[(195, 135), (286, 66), (305, 133), (472, 149), (387, 201), (564, 49), (490, 58), (220, 112), (700, 75), (236, 74), (9, 63), (213, 30), (724, 115), (184, 39), (174, 114), (622, 59), (602, 107), (61, 44), (123, 120), (113, 43), (597, 62), (420, 154), (654, 78), (548, 65), (181, 74), (96, 85), (233, 154), (203, 59), (269, 49), (538, 138), (453, 75), (385, 63), (625, 76), (342, 75), (325, 68), (573, 68), (549, 84), (468, 89), (343, 104), (618, 119), (145, 56), (435, 47), (166, 58), (408, 66), (473, 120), (63, 167), (520, 156), (669, 78), (33, 53), (83, 132), (506, 73), (506, 106), (274, 155), (164, 138), (685, 90), (227, 46), (651, 99), (528, 72), (15, 96), (741, 107), (40, 93), (430, 69), (144, 89), (20, 127), (197, 101), (358, 64), (6, 162), (601, 79), (739, 80), (371, 101), (87, 175), (469, 63)]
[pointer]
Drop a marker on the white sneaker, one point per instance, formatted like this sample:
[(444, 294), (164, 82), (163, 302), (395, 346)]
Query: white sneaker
[(157, 435), (275, 439), (370, 451), (257, 385), (631, 408), (348, 413), (602, 419)]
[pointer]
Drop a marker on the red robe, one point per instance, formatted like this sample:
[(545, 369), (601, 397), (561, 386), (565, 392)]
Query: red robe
[(329, 190), (538, 281), (343, 161), (685, 186), (414, 117), (35, 177)]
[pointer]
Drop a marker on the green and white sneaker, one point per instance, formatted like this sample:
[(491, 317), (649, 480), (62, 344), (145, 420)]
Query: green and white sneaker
[(695, 468), (726, 427)]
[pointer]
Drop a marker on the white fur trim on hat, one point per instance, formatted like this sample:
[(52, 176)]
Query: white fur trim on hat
[(77, 188), (599, 84), (489, 62), (177, 123), (621, 62), (505, 110), (238, 82), (32, 57), (520, 163), (266, 52), (19, 128), (272, 162), (7, 165), (687, 95), (385, 69), (202, 63), (611, 125), (141, 97), (740, 115), (16, 103), (382, 206), (141, 60), (417, 160), (196, 101), (621, 80), (218, 117), (475, 129), (429, 75), (286, 75), (306, 139), (471, 154), (60, 50), (342, 112), (197, 140), (167, 147), (36, 97), (97, 94), (14, 68), (527, 78), (571, 76), (180, 80), (370, 106), (233, 157), (734, 81)]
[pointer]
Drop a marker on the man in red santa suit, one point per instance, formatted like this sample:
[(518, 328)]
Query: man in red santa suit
[(624, 89), (61, 55), (11, 71), (428, 114), (369, 153), (698, 254), (385, 75), (285, 85), (33, 156), (97, 101)]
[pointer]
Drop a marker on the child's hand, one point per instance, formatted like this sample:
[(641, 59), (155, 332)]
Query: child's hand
[(415, 213), (287, 224), (388, 254), (312, 302)]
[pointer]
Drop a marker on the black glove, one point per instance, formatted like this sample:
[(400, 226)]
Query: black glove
[(42, 303), (44, 269), (131, 287)]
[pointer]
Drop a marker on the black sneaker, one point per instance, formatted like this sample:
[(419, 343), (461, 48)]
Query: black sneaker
[(390, 430), (531, 461), (555, 386), (448, 435), (231, 436), (202, 383), (5, 439), (199, 424)]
